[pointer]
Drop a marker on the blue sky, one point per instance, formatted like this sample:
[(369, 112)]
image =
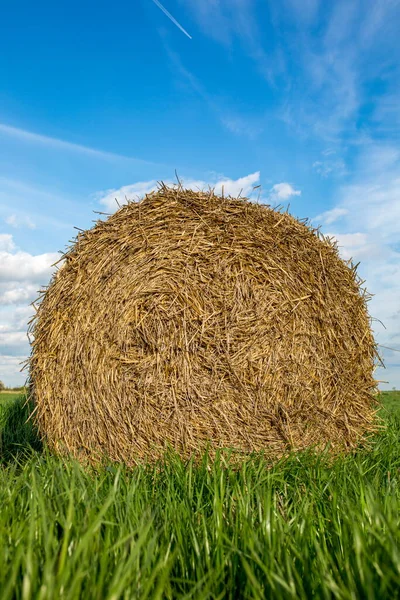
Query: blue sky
[(101, 100)]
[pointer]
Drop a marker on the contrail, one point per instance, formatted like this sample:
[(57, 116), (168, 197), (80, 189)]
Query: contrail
[(157, 3)]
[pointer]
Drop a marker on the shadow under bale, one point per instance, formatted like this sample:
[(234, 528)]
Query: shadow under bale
[(18, 433), (189, 320)]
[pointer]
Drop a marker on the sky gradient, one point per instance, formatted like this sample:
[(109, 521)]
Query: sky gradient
[(101, 100)]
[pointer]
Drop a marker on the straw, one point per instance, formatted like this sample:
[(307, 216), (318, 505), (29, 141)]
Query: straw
[(187, 320)]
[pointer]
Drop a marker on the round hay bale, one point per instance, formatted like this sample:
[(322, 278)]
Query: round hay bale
[(188, 320)]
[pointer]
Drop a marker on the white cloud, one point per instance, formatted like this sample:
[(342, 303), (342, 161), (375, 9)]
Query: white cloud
[(283, 191), (16, 318), (22, 266), (11, 293), (20, 221), (234, 187), (136, 191), (247, 187), (13, 330), (21, 276)]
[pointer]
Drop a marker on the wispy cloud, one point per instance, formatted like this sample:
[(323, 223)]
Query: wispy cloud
[(17, 221), (327, 62), (341, 68), (213, 19), (304, 11), (244, 126), (29, 205), (174, 21), (239, 124), (324, 59), (366, 218), (330, 216), (327, 167), (228, 20), (37, 138)]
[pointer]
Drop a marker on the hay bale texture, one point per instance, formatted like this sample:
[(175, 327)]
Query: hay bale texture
[(190, 320)]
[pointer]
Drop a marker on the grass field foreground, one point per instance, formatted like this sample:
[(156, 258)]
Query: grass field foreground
[(303, 528)]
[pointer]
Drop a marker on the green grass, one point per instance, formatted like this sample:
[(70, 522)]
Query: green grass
[(391, 402), (7, 396), (305, 528)]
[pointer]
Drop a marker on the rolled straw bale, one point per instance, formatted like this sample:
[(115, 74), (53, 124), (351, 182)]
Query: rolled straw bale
[(193, 321)]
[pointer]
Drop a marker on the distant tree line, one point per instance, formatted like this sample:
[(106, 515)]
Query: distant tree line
[(4, 388)]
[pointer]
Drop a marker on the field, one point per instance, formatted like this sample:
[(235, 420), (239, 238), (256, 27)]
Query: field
[(303, 528), (6, 396)]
